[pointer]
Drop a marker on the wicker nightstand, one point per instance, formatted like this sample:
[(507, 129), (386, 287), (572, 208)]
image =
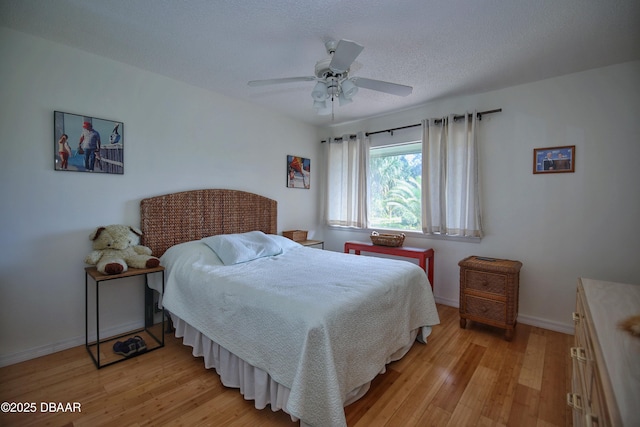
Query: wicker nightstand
[(489, 292)]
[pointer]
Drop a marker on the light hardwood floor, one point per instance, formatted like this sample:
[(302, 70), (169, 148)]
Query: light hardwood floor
[(462, 377)]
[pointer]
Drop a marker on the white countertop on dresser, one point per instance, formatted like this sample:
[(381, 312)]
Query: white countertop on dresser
[(609, 304)]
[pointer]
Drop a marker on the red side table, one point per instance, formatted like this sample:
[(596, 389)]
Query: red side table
[(421, 254)]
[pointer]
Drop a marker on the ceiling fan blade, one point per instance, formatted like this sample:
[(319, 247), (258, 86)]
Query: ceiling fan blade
[(282, 80), (380, 86), (346, 52)]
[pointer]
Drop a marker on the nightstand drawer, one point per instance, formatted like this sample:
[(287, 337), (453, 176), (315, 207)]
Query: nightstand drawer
[(486, 308), (486, 282)]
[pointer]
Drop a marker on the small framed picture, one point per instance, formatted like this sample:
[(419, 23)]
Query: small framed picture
[(554, 159), (298, 172), (87, 144)]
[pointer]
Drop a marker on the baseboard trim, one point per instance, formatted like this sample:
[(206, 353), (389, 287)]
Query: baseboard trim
[(565, 328), (44, 350), (32, 353)]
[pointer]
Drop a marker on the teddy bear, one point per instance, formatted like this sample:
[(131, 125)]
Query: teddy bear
[(116, 247)]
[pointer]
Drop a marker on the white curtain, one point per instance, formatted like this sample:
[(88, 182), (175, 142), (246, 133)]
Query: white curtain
[(450, 177), (346, 190)]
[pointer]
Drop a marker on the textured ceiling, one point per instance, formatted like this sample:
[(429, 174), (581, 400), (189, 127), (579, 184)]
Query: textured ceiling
[(441, 48)]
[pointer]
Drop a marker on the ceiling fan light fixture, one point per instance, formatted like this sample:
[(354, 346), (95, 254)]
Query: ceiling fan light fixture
[(319, 92), (319, 105), (349, 89), (343, 100), (325, 111), (333, 88)]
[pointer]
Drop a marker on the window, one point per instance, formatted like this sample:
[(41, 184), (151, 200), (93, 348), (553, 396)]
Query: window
[(395, 175), (386, 183)]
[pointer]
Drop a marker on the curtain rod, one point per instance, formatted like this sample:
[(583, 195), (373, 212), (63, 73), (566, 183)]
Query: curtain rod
[(480, 113)]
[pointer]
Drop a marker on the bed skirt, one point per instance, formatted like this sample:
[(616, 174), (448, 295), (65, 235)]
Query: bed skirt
[(254, 383)]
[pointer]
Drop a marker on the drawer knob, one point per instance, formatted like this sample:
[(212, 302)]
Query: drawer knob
[(574, 401), (579, 353)]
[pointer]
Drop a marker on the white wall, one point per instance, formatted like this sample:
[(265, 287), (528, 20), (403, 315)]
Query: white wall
[(561, 226), (176, 136)]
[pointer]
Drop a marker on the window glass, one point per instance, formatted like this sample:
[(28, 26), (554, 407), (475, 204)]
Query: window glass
[(395, 187)]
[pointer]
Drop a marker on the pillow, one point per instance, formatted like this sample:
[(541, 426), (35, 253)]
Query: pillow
[(242, 247), (185, 253)]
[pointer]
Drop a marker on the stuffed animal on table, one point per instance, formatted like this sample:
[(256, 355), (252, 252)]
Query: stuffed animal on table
[(117, 247)]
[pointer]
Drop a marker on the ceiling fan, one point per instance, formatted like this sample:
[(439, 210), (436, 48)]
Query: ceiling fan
[(333, 81)]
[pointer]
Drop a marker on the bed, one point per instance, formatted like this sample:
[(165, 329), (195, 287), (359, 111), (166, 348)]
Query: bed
[(300, 329)]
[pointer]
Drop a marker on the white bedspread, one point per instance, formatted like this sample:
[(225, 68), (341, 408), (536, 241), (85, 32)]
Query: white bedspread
[(319, 322)]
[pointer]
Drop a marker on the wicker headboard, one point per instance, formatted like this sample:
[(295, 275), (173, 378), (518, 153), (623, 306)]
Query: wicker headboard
[(191, 215)]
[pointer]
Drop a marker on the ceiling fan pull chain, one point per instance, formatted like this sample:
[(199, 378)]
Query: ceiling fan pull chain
[(332, 115)]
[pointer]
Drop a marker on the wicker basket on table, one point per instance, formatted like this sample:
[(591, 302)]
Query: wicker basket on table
[(381, 239)]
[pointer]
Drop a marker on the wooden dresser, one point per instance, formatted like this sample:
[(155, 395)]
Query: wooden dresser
[(606, 359), (489, 292)]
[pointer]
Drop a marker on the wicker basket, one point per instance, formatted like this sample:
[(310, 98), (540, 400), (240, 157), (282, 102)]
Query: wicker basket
[(296, 235), (381, 239)]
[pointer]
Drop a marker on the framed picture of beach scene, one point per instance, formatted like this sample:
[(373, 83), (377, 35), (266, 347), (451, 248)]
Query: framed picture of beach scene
[(554, 159), (87, 144), (298, 172)]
